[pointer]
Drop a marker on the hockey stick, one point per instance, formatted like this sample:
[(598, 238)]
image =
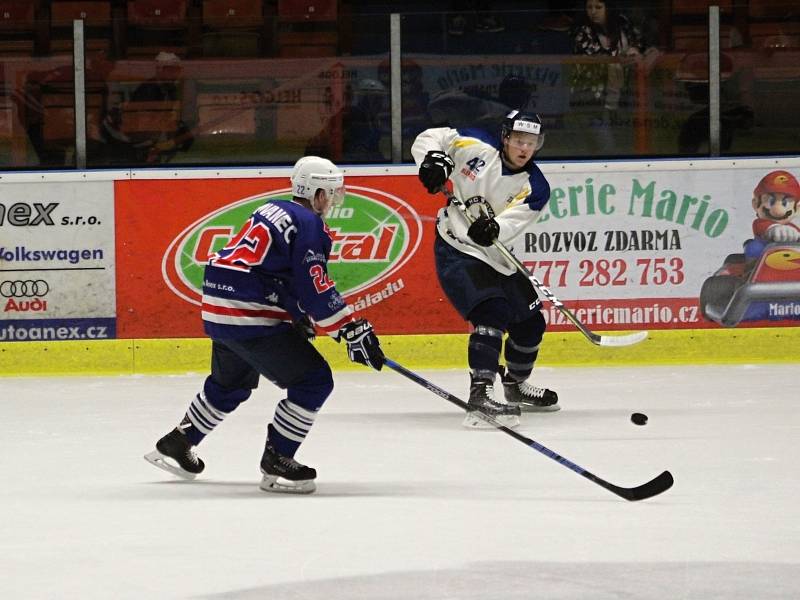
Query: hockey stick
[(600, 340), (652, 488)]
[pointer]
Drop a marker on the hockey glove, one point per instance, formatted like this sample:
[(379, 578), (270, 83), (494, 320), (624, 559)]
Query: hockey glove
[(435, 170), (362, 343), (483, 231), (305, 327)]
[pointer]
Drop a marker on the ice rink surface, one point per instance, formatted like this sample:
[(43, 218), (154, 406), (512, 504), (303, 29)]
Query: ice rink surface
[(409, 505)]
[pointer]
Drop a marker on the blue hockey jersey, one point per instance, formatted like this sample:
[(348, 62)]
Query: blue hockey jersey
[(273, 271)]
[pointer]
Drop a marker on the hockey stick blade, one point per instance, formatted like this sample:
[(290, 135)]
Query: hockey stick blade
[(599, 340), (622, 340), (652, 488)]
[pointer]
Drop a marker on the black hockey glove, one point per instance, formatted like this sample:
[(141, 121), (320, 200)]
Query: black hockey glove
[(305, 327), (362, 344), (435, 170), (483, 231)]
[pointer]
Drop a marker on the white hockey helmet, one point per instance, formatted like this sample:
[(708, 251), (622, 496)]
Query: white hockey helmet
[(312, 173)]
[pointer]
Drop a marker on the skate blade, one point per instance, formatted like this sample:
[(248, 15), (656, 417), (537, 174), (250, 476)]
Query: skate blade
[(279, 485), (476, 420), (532, 408), (157, 459)]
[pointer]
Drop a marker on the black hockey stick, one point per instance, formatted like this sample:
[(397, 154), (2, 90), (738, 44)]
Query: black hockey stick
[(647, 490), (595, 338)]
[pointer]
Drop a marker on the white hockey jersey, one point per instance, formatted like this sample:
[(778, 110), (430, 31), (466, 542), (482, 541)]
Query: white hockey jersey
[(480, 179)]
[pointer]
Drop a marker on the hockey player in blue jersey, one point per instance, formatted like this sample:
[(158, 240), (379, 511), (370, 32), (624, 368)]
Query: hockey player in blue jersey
[(505, 191), (263, 293)]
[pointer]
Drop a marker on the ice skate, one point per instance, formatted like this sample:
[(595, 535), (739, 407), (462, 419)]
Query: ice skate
[(176, 455), (527, 397), (481, 404), (285, 475)]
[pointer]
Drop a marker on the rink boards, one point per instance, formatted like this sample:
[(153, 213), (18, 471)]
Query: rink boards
[(100, 271)]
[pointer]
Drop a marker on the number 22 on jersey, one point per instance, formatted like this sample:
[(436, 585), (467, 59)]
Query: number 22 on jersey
[(247, 249)]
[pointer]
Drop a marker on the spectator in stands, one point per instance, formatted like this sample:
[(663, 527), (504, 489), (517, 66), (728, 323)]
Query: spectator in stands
[(597, 88), (165, 86), (473, 13), (356, 127), (116, 146), (415, 97), (458, 109)]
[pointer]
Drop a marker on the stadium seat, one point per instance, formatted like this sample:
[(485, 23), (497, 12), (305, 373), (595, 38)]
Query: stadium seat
[(157, 26), (307, 10), (17, 25), (232, 27), (694, 38), (772, 9), (683, 8), (775, 35), (96, 16), (307, 28)]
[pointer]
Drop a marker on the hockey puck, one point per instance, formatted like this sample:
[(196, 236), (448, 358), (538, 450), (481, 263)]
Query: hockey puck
[(639, 419)]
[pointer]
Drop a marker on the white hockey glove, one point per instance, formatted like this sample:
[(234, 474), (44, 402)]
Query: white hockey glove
[(362, 344), (783, 233)]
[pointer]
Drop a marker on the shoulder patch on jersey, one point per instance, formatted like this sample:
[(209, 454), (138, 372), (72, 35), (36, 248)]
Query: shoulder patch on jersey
[(481, 135), (540, 188)]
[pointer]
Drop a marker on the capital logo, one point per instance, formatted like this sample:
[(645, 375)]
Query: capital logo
[(374, 234)]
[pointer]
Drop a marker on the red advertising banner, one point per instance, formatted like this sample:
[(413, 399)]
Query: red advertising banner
[(381, 260)]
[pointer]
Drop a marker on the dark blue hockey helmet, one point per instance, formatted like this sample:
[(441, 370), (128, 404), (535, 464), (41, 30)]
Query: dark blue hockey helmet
[(524, 122)]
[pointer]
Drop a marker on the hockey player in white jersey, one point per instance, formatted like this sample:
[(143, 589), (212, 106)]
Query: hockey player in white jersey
[(263, 293), (504, 190)]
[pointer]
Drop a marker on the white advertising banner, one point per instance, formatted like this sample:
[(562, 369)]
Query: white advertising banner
[(684, 245), (57, 278)]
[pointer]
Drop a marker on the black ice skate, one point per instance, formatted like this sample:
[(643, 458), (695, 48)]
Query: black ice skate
[(285, 475), (527, 397), (176, 455), (481, 403)]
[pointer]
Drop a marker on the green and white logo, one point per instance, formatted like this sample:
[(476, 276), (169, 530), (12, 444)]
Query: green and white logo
[(374, 234)]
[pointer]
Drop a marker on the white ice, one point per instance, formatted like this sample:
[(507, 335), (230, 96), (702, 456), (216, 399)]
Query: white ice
[(409, 505)]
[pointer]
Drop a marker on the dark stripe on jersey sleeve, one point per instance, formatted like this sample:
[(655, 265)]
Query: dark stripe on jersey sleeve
[(540, 188), (481, 134)]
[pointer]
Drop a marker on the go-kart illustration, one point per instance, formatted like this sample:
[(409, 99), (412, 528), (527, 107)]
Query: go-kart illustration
[(743, 288)]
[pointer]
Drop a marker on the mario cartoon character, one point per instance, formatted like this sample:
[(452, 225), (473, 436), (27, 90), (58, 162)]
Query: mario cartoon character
[(775, 201), (764, 282)]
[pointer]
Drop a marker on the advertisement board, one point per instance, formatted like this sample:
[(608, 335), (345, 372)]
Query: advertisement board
[(624, 246), (671, 248), (381, 258), (57, 261)]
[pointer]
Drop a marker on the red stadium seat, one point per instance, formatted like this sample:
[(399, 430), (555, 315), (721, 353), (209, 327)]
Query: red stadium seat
[(307, 28), (232, 27), (681, 8), (772, 9), (694, 38), (307, 10), (165, 14), (17, 26), (155, 26), (775, 35), (96, 16)]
